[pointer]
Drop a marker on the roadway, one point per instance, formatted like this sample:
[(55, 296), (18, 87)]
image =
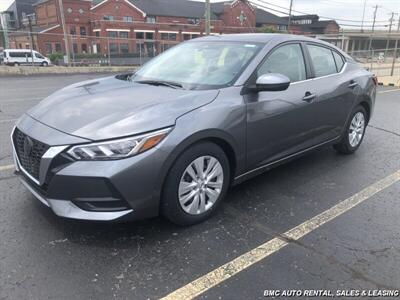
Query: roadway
[(325, 221)]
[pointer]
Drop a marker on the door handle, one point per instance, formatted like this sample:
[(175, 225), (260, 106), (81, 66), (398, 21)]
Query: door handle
[(353, 84), (309, 97)]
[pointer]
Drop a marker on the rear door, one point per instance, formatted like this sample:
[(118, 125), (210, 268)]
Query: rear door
[(283, 122), (337, 90)]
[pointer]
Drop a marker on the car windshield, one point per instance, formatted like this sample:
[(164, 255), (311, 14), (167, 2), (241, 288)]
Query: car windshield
[(199, 65)]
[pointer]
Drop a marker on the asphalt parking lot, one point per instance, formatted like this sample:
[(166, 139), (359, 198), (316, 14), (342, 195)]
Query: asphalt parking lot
[(325, 221)]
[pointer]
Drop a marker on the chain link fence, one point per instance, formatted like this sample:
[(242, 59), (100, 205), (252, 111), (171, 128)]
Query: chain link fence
[(382, 62), (118, 48)]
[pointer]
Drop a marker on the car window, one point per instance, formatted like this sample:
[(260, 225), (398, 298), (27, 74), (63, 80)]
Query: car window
[(39, 55), (339, 61), (200, 65), (287, 60), (322, 59)]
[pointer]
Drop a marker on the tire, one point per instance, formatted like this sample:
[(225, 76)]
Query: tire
[(210, 191), (346, 144), (44, 64), (16, 64)]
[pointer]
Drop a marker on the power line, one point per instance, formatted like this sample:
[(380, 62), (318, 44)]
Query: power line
[(342, 24), (306, 13)]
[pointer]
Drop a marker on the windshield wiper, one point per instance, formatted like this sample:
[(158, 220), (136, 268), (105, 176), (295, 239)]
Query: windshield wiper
[(174, 85)]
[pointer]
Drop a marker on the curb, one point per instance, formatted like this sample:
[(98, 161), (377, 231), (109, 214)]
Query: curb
[(28, 70)]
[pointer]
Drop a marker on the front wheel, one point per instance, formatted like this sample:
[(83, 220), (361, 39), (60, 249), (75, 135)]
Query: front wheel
[(45, 64), (354, 132), (196, 184)]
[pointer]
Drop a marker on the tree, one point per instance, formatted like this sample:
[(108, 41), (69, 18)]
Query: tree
[(2, 39)]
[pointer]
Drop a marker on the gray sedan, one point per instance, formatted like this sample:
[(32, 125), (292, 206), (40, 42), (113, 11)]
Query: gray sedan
[(172, 137)]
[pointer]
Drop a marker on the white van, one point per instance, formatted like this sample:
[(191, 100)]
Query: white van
[(17, 57)]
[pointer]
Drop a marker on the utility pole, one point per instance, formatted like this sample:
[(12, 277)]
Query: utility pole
[(66, 41), (31, 38), (290, 15), (373, 28), (395, 50), (390, 31), (362, 22), (4, 25), (208, 17)]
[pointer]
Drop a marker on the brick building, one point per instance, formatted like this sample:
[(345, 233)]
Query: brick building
[(133, 26), (48, 34), (311, 25)]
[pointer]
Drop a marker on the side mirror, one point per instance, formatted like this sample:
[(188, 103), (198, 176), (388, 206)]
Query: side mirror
[(272, 82)]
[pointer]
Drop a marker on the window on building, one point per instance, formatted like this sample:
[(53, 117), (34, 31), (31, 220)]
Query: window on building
[(186, 37), (83, 30), (84, 48), (140, 35), (127, 19), (123, 34), (58, 47), (98, 48), (150, 19), (194, 21), (168, 36), (124, 48), (338, 60), (48, 48), (97, 33), (322, 59), (112, 34), (72, 30), (282, 27), (287, 60), (75, 47), (108, 18), (114, 48), (195, 36), (149, 36)]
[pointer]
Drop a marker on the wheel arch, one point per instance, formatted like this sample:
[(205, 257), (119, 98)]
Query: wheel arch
[(218, 137), (366, 105)]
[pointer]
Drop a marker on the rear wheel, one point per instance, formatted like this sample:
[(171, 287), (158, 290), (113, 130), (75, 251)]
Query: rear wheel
[(354, 133), (16, 64), (196, 184)]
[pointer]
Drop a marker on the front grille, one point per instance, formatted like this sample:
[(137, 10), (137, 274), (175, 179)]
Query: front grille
[(29, 152)]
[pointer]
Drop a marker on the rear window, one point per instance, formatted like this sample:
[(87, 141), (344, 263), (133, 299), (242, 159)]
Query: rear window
[(338, 60), (323, 61)]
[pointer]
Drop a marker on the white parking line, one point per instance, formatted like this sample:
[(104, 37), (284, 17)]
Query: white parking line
[(5, 168), (224, 272), (388, 91)]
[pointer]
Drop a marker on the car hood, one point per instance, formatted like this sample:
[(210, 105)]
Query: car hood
[(109, 107)]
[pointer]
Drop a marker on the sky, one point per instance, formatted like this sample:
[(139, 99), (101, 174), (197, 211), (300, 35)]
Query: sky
[(336, 9), (342, 9)]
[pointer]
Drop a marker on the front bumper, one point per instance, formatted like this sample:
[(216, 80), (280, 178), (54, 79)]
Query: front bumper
[(126, 189), (68, 209)]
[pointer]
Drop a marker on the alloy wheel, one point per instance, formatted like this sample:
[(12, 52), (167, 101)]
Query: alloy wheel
[(357, 128), (200, 185)]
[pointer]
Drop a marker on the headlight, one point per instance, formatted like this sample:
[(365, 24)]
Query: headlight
[(117, 149)]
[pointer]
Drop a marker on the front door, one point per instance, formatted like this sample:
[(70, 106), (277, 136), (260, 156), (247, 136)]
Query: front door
[(283, 122)]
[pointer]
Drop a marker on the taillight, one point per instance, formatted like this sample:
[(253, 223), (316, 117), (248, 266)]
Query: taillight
[(375, 79)]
